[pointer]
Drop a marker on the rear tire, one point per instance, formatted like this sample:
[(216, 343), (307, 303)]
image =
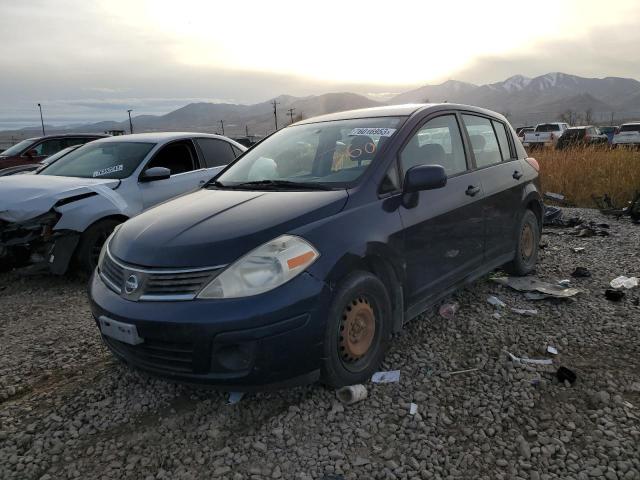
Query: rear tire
[(358, 330), (91, 243), (527, 244)]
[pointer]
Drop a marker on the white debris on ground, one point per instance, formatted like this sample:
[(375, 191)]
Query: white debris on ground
[(69, 410)]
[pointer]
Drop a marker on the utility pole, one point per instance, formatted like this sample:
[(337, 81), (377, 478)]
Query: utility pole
[(130, 123), (246, 131), (291, 110), (611, 123), (222, 125), (41, 120), (275, 112)]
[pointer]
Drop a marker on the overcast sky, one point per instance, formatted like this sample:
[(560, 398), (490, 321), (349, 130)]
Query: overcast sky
[(92, 60)]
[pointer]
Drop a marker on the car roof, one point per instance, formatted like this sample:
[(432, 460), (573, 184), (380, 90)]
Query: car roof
[(630, 123), (162, 137), (395, 111), (66, 135)]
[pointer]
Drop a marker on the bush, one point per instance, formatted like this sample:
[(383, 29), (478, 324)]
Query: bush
[(579, 173)]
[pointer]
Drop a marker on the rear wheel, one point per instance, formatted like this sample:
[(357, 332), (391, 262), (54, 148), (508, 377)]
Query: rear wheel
[(91, 243), (358, 330), (528, 240)]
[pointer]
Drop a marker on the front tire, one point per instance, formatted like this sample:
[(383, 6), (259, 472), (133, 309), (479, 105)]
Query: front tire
[(527, 244), (91, 243), (358, 330)]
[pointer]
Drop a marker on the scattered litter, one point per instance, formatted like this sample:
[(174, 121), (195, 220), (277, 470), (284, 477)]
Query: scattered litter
[(554, 196), (622, 281), (614, 295), (606, 206), (564, 283), (525, 311), (234, 397), (496, 315), (551, 214), (581, 272), (351, 394), (552, 350), (496, 302), (530, 361), (564, 373), (458, 372), (532, 284), (413, 409), (578, 249), (628, 404), (448, 310), (392, 376)]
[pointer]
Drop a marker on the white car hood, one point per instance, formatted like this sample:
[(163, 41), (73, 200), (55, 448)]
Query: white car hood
[(23, 197)]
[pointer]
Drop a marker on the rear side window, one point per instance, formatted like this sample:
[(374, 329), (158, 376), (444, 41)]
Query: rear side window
[(438, 142), (216, 152), (483, 140), (630, 128), (49, 147), (236, 151), (503, 141)]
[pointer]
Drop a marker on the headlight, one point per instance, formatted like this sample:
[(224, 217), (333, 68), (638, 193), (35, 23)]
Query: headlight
[(263, 269), (105, 245)]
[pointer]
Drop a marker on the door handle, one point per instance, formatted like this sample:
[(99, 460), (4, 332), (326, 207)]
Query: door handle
[(472, 190), (517, 175)]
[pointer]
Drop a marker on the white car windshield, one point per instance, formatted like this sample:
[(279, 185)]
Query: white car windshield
[(323, 154), (115, 160)]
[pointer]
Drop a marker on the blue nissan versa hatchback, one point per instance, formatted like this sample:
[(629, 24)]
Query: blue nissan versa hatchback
[(299, 260)]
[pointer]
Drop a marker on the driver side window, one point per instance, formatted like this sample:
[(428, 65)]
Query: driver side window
[(179, 157), (438, 142)]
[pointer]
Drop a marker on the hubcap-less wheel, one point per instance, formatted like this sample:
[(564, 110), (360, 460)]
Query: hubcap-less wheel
[(357, 330), (527, 238)]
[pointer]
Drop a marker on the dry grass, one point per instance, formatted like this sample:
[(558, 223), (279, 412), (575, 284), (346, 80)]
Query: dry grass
[(582, 172)]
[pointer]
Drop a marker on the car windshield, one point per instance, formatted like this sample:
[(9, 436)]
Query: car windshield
[(547, 127), (317, 155), (630, 128), (100, 160), (17, 148), (574, 132)]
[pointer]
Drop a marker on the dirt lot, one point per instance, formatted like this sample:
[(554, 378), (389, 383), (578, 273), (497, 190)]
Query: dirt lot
[(68, 410)]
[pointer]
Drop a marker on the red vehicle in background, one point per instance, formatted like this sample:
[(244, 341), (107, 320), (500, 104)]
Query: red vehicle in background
[(33, 150)]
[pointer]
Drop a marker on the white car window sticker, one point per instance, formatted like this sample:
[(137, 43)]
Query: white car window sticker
[(106, 171), (383, 132)]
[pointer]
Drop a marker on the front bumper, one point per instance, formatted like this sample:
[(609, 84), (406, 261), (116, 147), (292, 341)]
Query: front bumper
[(270, 340)]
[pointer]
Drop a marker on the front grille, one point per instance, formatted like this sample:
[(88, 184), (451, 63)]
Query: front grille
[(154, 284), (175, 357)]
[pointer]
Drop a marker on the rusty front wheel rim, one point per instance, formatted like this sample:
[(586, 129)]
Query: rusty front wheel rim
[(526, 242), (357, 330)]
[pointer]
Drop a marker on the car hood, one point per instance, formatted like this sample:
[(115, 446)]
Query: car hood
[(23, 197), (215, 227)]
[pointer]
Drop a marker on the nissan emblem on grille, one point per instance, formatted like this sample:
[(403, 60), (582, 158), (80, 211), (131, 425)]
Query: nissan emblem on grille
[(131, 285)]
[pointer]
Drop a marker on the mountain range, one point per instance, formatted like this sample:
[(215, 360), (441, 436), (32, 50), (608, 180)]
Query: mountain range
[(523, 100)]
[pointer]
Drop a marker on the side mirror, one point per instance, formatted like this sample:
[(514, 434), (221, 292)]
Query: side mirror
[(424, 177), (155, 173)]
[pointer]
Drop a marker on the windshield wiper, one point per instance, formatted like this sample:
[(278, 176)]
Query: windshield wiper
[(275, 184)]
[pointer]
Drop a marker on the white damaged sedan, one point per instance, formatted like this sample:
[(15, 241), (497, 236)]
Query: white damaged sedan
[(65, 212)]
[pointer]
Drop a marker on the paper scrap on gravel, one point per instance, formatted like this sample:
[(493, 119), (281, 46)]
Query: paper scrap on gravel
[(413, 409), (532, 284), (525, 311), (496, 302), (392, 376), (552, 350), (624, 281), (234, 397), (530, 361)]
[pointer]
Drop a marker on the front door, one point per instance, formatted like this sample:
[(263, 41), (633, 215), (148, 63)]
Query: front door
[(186, 174), (444, 239)]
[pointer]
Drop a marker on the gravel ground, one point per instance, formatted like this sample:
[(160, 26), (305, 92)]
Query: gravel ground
[(68, 410)]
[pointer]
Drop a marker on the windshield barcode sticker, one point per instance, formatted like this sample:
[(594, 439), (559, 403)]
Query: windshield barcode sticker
[(106, 171), (383, 132)]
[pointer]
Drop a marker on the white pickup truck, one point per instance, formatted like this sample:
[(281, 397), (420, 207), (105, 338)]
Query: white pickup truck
[(545, 134)]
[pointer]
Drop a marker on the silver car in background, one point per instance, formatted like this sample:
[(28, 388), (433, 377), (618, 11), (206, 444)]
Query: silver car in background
[(66, 210)]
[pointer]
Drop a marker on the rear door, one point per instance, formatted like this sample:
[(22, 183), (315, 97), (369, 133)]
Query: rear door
[(216, 154), (186, 173), (444, 230), (501, 175)]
